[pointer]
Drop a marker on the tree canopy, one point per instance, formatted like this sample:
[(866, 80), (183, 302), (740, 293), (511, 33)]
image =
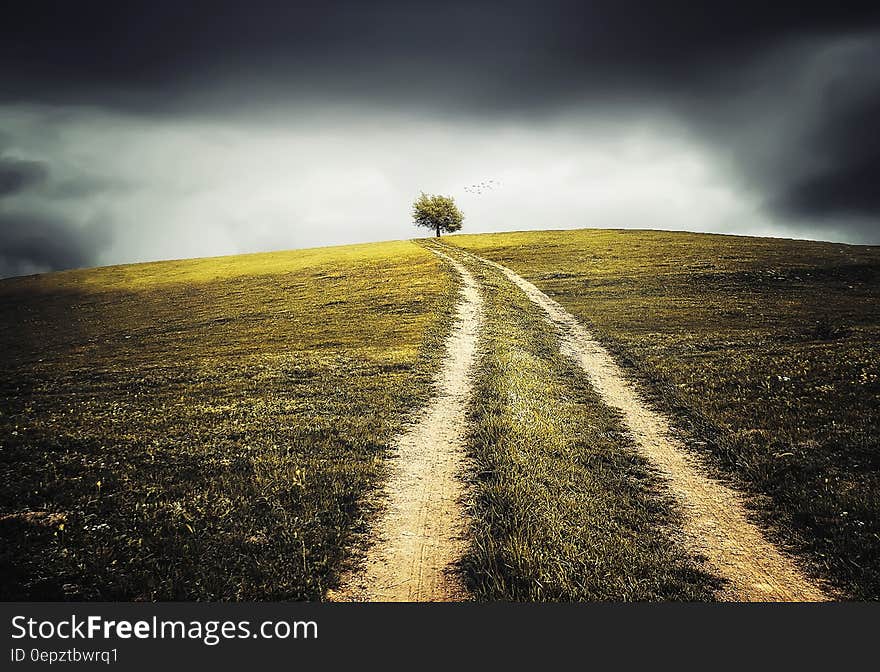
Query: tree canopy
[(438, 213)]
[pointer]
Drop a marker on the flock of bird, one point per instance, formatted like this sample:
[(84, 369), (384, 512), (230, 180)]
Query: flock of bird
[(480, 187)]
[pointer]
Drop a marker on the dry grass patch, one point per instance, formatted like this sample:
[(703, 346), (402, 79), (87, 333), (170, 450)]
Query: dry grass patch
[(206, 429), (766, 352)]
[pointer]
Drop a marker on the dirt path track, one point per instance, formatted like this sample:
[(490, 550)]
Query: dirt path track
[(717, 525), (421, 534)]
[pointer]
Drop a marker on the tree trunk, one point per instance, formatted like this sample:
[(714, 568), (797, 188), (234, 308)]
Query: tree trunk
[(438, 231)]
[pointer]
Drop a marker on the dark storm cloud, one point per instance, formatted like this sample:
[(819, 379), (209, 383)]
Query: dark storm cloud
[(847, 179), (18, 175), (35, 244), (464, 54), (732, 72)]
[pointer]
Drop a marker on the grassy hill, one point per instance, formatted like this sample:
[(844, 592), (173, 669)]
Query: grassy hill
[(217, 428), (767, 353), (563, 505), (205, 429)]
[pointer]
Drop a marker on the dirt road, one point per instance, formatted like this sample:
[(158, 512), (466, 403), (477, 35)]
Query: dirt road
[(420, 536), (717, 524)]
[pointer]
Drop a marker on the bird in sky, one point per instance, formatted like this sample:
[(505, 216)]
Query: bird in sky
[(480, 187)]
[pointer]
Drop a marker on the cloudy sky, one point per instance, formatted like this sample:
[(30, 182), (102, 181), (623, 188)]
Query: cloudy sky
[(135, 131)]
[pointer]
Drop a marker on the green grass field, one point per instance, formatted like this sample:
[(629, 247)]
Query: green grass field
[(766, 352), (209, 429)]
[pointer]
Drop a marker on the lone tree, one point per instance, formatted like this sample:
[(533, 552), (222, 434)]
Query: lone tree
[(437, 212)]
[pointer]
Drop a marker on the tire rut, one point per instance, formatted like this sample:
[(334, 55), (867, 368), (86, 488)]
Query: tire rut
[(716, 522), (420, 537)]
